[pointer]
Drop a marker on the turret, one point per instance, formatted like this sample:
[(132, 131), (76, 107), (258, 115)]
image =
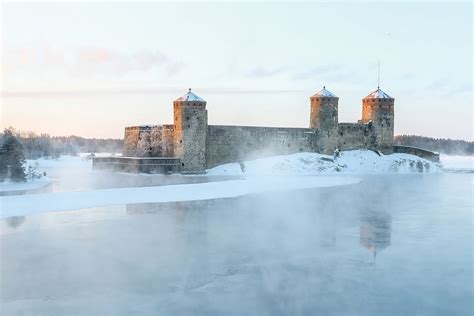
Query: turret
[(323, 115), (324, 120), (190, 130), (378, 108)]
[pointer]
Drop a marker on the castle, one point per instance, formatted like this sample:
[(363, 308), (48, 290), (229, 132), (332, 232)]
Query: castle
[(191, 145)]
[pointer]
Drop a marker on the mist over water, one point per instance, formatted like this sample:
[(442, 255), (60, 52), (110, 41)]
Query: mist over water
[(391, 245), (76, 174)]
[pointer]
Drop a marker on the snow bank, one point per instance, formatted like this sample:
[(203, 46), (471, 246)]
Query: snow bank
[(19, 205), (9, 186), (352, 162)]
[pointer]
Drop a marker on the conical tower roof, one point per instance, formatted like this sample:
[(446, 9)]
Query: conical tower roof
[(190, 96), (324, 93), (378, 94)]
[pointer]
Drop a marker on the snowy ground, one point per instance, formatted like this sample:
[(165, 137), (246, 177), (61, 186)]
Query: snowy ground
[(73, 173), (457, 162), (350, 162)]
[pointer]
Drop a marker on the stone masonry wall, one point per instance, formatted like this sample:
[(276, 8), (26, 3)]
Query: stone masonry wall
[(356, 136), (381, 113), (167, 141), (189, 136), (133, 138), (423, 153), (237, 143)]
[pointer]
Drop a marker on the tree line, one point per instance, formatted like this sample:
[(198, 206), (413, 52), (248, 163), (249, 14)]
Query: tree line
[(43, 145), (15, 147), (441, 145)]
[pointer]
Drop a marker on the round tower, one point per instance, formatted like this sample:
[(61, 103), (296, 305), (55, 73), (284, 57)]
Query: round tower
[(323, 115), (190, 130), (378, 108)]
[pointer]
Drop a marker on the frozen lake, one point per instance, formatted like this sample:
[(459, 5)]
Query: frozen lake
[(391, 245)]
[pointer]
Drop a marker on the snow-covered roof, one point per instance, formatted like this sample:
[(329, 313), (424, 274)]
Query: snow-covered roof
[(378, 94), (190, 96), (324, 93)]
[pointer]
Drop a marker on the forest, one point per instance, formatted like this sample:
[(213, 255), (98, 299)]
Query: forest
[(43, 145), (441, 145)]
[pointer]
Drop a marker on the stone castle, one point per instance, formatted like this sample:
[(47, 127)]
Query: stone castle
[(199, 146)]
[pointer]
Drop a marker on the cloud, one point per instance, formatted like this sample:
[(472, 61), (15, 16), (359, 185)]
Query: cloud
[(52, 62), (446, 88), (122, 91), (326, 71), (262, 72)]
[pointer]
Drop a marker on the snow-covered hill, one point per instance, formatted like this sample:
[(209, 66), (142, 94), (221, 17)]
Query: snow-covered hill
[(353, 162)]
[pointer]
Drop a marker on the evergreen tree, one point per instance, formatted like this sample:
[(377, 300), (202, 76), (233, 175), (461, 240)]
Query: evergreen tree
[(11, 157)]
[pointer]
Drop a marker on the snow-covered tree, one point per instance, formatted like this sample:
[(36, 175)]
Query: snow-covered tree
[(12, 159)]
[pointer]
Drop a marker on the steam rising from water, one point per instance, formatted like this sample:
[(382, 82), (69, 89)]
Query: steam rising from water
[(380, 247)]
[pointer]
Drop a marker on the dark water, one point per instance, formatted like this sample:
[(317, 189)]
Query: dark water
[(392, 245)]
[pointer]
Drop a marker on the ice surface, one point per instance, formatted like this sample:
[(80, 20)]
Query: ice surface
[(61, 201)]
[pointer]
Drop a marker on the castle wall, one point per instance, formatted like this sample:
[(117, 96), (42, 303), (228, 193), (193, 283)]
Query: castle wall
[(356, 136), (136, 140), (226, 144), (167, 141), (146, 141), (423, 153), (326, 140)]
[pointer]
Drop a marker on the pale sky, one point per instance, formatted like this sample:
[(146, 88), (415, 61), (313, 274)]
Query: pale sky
[(89, 69)]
